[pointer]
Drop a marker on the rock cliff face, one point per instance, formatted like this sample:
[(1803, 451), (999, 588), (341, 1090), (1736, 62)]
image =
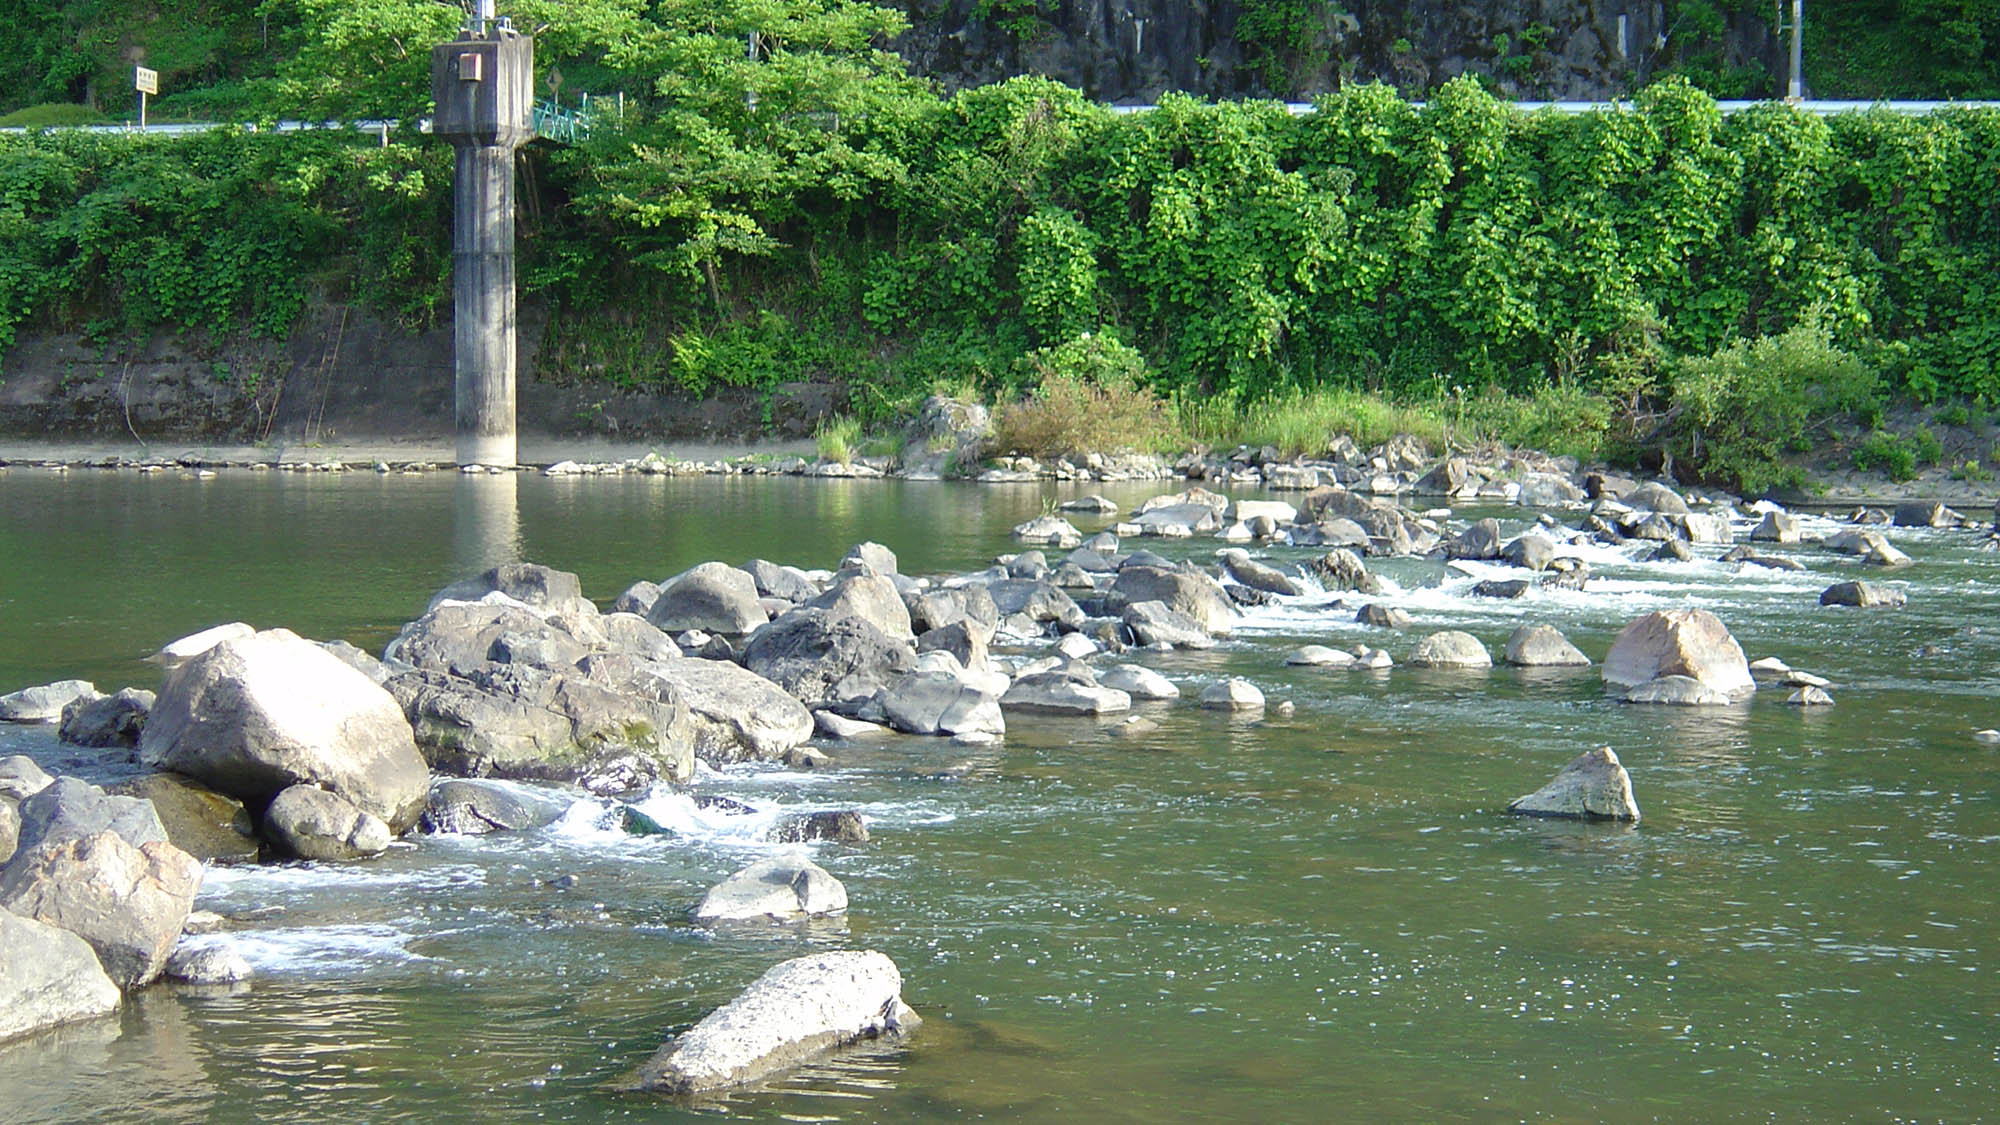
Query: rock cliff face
[(1132, 51)]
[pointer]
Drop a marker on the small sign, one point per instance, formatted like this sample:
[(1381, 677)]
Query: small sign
[(148, 81)]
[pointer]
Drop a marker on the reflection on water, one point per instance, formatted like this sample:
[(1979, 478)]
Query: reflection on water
[(486, 520)]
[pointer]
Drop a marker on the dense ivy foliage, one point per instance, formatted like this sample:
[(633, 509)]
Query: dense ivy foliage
[(1241, 250)]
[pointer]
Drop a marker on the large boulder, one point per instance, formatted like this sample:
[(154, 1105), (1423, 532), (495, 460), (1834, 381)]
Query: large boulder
[(107, 721), (48, 976), (819, 657), (1038, 602), (1481, 540), (259, 714), (128, 902), (1593, 786), (460, 637), (1531, 550), (205, 824), (1341, 569), (1182, 590), (713, 597), (610, 724), (870, 597), (938, 702), (1450, 648), (1679, 642), (1777, 527), (870, 556), (308, 822), (70, 809), (796, 1011), (44, 703), (935, 609), (1153, 623), (1538, 646), (1655, 497), (737, 714), (471, 807), (779, 888), (775, 580)]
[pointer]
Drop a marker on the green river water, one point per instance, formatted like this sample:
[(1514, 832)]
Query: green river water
[(1320, 916)]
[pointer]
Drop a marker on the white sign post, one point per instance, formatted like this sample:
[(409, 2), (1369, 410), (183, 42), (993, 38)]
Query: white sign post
[(147, 82)]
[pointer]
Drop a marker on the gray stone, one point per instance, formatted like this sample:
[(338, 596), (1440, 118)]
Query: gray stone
[(462, 807), (1052, 691), (1139, 682), (637, 598), (1049, 531), (10, 829), (48, 976), (1153, 623), (1479, 541), (1319, 656), (1232, 695), (128, 903), (818, 657), (44, 704), (1532, 550), (1537, 646), (713, 597), (778, 888), (1548, 490), (1043, 603), (70, 809), (1382, 616), (873, 598), (843, 826), (1655, 497), (1093, 504), (1247, 571), (633, 635), (1925, 513), (1863, 595), (966, 643), (833, 724), (1705, 527), (796, 1011), (1593, 786), (1032, 565), (1810, 696), (608, 723), (310, 823), (1503, 588), (1673, 550), (258, 714), (1450, 648), (1340, 570), (207, 825), (776, 581), (935, 609), (1176, 520), (1777, 527), (20, 777), (106, 721), (737, 715), (940, 703), (1183, 591), (208, 962), (459, 637), (178, 652), (538, 587), (871, 556), (1679, 642)]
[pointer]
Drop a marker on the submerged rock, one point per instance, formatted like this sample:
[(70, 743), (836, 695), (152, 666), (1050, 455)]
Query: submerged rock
[(777, 888), (1593, 786), (1319, 656), (1053, 691), (48, 976), (210, 962), (796, 1011), (1863, 595), (461, 807), (1682, 691)]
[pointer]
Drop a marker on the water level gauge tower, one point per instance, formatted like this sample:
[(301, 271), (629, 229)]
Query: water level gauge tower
[(483, 85)]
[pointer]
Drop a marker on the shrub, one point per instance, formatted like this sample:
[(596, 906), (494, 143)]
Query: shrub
[(1089, 398), (1887, 452), (1736, 413)]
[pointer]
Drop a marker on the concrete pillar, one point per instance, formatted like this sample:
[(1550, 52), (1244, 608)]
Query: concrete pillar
[(483, 85)]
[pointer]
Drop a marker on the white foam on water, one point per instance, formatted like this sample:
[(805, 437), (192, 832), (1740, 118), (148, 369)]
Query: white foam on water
[(315, 949), (224, 883)]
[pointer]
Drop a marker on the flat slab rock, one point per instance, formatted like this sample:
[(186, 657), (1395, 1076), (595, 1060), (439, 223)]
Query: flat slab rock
[(797, 1010)]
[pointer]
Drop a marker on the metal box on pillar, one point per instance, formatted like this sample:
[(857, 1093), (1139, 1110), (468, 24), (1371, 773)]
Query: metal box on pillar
[(483, 86)]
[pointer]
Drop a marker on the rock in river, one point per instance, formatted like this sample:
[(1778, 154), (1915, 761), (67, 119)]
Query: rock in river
[(311, 823), (1863, 595), (44, 704), (1692, 643), (1593, 786), (797, 1010), (1450, 648), (777, 888), (258, 714), (127, 902), (1534, 646), (48, 976)]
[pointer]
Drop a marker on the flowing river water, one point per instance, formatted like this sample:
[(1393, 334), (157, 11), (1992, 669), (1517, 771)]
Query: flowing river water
[(1313, 916)]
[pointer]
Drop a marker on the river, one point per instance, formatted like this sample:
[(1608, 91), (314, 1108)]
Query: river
[(1312, 916)]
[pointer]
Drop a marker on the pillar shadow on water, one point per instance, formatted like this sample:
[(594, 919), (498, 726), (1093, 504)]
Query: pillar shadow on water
[(486, 521)]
